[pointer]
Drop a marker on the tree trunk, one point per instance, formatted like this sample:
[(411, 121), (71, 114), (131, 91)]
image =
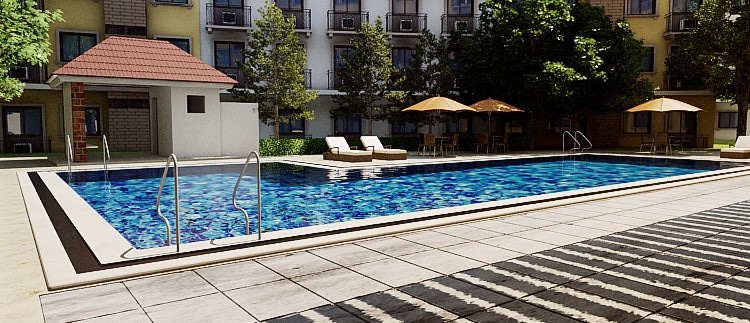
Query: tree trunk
[(742, 80), (276, 122)]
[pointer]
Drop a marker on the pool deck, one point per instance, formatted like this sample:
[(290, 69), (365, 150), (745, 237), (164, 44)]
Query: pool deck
[(678, 253)]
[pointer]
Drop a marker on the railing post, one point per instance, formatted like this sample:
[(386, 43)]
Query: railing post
[(237, 185)]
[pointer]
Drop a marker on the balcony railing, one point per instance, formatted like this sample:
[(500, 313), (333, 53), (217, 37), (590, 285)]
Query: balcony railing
[(301, 18), (28, 73), (346, 21), (674, 84), (308, 78), (457, 23), (334, 80), (235, 73), (405, 23), (681, 22), (227, 17)]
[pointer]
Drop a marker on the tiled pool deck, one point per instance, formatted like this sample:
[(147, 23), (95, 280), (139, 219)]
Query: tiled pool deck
[(676, 254)]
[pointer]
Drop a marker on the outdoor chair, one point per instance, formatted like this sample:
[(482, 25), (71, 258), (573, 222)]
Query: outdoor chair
[(503, 145), (453, 144), (662, 140), (339, 149), (483, 142), (429, 142), (741, 149), (647, 142), (372, 143)]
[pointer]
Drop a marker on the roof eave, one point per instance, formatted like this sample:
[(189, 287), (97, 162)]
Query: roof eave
[(57, 80)]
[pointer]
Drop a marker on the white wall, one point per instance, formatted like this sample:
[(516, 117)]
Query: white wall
[(163, 114), (239, 129)]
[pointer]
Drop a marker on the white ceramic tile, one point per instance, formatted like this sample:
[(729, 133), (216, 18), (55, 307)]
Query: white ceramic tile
[(392, 246), (238, 274), (168, 287), (85, 303), (498, 226), (441, 261), (297, 264), (483, 252), (348, 254), (207, 308), (394, 272), (432, 239), (467, 232), (340, 284), (274, 299), (133, 316)]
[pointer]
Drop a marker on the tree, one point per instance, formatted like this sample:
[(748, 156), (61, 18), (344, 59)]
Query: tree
[(24, 39), (366, 76), (274, 64), (716, 55)]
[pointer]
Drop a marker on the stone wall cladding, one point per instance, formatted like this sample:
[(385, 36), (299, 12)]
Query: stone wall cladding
[(125, 12), (615, 9), (129, 129)]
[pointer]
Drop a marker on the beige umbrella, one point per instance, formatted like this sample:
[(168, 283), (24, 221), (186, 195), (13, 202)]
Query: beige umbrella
[(664, 105), (490, 105), (438, 103)]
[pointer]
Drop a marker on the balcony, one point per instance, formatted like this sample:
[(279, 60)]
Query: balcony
[(308, 78), (28, 73), (301, 20), (674, 84), (227, 18), (346, 22), (235, 73), (457, 23), (405, 24), (334, 81), (680, 23)]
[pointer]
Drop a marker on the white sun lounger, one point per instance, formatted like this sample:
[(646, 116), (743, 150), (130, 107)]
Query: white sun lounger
[(338, 149), (372, 143), (741, 149)]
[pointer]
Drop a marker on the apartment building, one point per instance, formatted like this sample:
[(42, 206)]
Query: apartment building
[(216, 30), (34, 122)]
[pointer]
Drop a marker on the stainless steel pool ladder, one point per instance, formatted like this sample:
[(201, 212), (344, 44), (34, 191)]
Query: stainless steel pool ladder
[(579, 133), (172, 158), (236, 186), (68, 154), (105, 151), (576, 143)]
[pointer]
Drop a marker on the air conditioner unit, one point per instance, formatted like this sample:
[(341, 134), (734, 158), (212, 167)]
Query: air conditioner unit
[(228, 18), (688, 24), (347, 23), (461, 25), (21, 73), (406, 25)]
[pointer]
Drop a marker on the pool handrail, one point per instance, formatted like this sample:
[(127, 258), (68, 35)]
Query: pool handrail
[(237, 185), (68, 152), (577, 133), (105, 151), (576, 143), (173, 159)]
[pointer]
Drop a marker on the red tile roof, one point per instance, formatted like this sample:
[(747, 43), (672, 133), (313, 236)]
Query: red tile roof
[(138, 58)]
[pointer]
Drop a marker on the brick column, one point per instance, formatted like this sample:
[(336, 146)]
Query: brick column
[(79, 122)]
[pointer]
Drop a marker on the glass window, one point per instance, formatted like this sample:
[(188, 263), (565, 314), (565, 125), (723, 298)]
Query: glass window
[(461, 7), (649, 60), (346, 5), (173, 1), (457, 124), (182, 43), (339, 53), (290, 4), (403, 127), (401, 57), (228, 3), (686, 5), (348, 126), (727, 119), (642, 7), (639, 122), (22, 120), (295, 127), (196, 104), (681, 122), (227, 54), (559, 125), (404, 6), (93, 121), (74, 44)]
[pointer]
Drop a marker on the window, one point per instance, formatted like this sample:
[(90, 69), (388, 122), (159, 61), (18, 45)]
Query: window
[(93, 121), (727, 119), (638, 122), (196, 104), (346, 6), (22, 121), (682, 122), (559, 125), (182, 43), (172, 1), (457, 124), (401, 57), (290, 4), (461, 7), (228, 3), (402, 127), (686, 5), (404, 6), (514, 126), (649, 60), (227, 54), (339, 53), (294, 128), (73, 44), (347, 126), (454, 61), (642, 7)]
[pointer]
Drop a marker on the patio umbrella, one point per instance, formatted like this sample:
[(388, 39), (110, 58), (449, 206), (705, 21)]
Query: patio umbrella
[(490, 105), (438, 103), (664, 105)]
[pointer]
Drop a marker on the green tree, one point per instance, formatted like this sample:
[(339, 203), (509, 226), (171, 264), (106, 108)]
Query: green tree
[(716, 55), (366, 74), (274, 64), (24, 39)]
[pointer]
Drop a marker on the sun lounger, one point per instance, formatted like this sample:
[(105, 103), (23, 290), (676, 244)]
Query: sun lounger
[(372, 143), (741, 149), (338, 149)]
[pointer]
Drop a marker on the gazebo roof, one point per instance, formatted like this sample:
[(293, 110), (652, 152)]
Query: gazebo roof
[(148, 60)]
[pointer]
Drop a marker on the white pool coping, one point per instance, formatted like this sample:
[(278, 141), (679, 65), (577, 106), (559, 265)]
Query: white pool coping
[(110, 247)]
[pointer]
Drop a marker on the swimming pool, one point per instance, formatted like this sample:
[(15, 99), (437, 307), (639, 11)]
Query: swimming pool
[(296, 196)]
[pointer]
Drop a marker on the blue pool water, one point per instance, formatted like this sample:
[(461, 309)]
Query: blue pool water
[(298, 196)]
